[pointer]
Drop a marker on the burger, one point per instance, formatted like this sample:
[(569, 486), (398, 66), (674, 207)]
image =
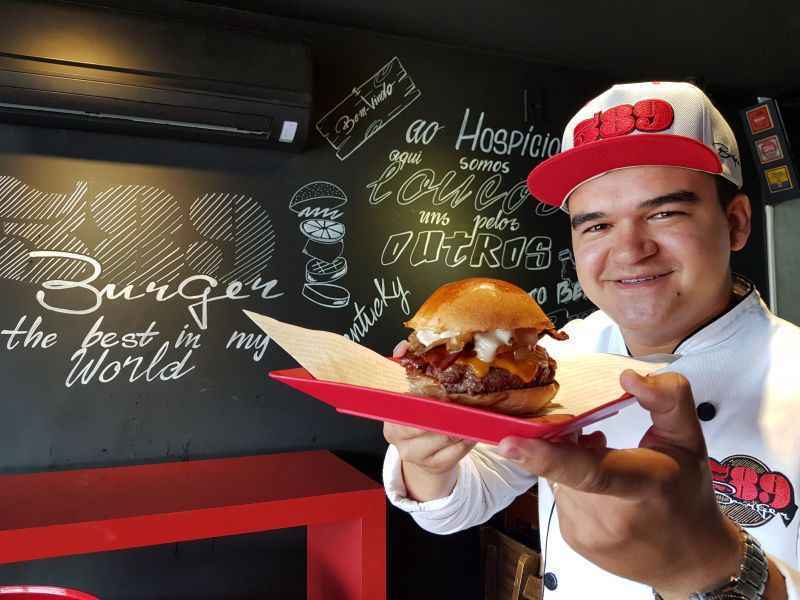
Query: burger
[(475, 342)]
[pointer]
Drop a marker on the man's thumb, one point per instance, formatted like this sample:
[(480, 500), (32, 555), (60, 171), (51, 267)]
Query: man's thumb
[(668, 398)]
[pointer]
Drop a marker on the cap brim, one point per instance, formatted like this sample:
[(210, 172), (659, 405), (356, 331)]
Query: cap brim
[(553, 180)]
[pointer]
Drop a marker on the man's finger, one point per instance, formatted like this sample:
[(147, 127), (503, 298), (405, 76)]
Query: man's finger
[(452, 453), (562, 463), (622, 473), (593, 441), (422, 448), (668, 398)]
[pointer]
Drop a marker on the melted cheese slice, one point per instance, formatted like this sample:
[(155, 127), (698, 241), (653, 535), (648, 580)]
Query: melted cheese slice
[(525, 370), (480, 368)]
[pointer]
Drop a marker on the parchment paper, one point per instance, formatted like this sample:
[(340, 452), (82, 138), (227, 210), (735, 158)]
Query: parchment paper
[(586, 381)]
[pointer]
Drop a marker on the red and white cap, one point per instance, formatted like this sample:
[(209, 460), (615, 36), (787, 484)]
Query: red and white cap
[(639, 124)]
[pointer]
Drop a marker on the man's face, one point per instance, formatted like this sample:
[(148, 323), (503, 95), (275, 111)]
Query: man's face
[(652, 248)]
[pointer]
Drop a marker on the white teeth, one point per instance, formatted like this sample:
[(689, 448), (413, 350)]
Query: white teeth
[(640, 280)]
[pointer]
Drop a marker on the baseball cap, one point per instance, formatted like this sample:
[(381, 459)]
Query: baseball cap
[(671, 124)]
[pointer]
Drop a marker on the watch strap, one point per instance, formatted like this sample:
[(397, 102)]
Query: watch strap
[(748, 584)]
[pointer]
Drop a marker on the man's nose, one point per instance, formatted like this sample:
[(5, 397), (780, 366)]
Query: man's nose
[(632, 244)]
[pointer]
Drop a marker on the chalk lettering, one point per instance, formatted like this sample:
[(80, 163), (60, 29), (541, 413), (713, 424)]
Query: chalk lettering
[(96, 296), (433, 217), (187, 339), (422, 132), (426, 184), (33, 338), (539, 294), (108, 340), (484, 165), (366, 316), (504, 142), (247, 341), (568, 291), (85, 370), (481, 249), (405, 158)]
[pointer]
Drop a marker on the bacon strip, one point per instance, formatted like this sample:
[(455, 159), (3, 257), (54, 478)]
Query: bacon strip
[(440, 358)]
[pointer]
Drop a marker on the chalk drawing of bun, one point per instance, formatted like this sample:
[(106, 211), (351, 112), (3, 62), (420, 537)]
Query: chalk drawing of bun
[(328, 295), (321, 271), (317, 194)]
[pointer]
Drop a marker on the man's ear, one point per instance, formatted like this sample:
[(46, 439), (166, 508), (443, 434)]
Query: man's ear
[(739, 221)]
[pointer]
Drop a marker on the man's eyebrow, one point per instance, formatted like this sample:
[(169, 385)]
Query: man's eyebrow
[(581, 218), (683, 196)]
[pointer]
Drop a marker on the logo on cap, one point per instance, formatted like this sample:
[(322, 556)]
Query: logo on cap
[(646, 116)]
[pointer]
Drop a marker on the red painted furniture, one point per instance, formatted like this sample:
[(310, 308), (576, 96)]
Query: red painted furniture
[(62, 513), (41, 592)]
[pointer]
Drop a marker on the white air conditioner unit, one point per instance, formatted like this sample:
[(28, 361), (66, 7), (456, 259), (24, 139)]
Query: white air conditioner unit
[(77, 66)]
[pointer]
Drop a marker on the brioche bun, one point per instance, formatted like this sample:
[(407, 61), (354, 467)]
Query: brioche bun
[(479, 304)]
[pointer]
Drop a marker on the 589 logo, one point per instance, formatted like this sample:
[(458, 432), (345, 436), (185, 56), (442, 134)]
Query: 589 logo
[(749, 493)]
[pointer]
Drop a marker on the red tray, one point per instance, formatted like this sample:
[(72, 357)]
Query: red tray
[(443, 417)]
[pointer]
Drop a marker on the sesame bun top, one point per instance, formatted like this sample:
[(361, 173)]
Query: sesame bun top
[(479, 304)]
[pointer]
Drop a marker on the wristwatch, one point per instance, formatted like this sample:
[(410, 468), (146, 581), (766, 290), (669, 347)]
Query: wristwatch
[(748, 584)]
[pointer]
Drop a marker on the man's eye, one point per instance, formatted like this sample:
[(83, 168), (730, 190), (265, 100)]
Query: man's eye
[(665, 214), (596, 228)]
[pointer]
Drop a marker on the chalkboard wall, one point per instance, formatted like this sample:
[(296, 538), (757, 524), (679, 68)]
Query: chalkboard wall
[(350, 236)]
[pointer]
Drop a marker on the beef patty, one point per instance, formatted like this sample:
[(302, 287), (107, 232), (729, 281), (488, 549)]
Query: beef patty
[(461, 379)]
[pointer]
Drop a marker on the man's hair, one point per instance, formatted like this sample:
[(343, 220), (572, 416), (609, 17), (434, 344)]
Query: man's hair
[(726, 191)]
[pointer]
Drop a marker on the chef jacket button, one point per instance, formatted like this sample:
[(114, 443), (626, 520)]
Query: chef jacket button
[(550, 581), (706, 411)]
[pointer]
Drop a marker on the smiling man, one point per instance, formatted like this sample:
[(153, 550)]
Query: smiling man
[(652, 246), (658, 504)]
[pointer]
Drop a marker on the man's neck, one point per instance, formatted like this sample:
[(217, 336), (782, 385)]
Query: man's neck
[(642, 349), (642, 345)]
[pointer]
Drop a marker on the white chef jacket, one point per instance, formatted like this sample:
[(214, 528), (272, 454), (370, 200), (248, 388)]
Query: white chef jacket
[(746, 364)]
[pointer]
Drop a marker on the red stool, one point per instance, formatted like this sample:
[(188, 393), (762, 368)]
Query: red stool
[(42, 592)]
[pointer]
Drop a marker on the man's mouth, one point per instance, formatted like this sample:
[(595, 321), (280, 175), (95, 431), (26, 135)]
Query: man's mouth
[(641, 279)]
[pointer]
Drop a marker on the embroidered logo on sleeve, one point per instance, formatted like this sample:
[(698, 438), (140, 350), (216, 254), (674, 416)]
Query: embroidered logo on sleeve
[(749, 493)]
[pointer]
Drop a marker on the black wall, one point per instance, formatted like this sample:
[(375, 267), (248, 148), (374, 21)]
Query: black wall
[(150, 209)]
